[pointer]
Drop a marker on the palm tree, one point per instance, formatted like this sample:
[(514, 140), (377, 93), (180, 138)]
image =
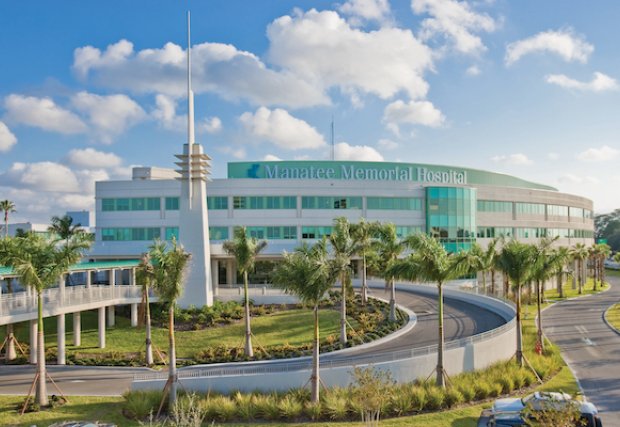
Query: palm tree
[(64, 227), (309, 274), (169, 265), (430, 262), (343, 246), (563, 254), (7, 207), (144, 277), (603, 251), (546, 263), (486, 261), (389, 247), (245, 250), (516, 261), (580, 253), (363, 233), (39, 263)]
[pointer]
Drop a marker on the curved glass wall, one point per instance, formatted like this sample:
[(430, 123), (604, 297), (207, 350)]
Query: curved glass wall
[(451, 216)]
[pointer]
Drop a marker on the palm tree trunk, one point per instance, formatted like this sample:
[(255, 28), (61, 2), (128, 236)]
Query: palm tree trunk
[(560, 284), (249, 351), (315, 379), (519, 353), (10, 353), (493, 281), (41, 396), (484, 281), (343, 311), (364, 284), (6, 223), (580, 277), (172, 371), (149, 343), (392, 316), (440, 371), (538, 304), (595, 271)]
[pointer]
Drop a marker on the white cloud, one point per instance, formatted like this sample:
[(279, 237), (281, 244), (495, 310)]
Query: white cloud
[(110, 115), (368, 10), (321, 47), (42, 113), (41, 176), (216, 68), (602, 154), (237, 153), (87, 178), (92, 159), (570, 178), (210, 125), (7, 139), (599, 83), (344, 151), (455, 21), (565, 43), (512, 159), (271, 158), (414, 112), (388, 144), (280, 128), (474, 70), (553, 156)]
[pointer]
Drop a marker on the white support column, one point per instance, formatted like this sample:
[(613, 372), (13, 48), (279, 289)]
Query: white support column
[(101, 327), (77, 329), (234, 272), (229, 272), (34, 329), (134, 315), (89, 278), (112, 280), (112, 277), (215, 276), (62, 359), (132, 277)]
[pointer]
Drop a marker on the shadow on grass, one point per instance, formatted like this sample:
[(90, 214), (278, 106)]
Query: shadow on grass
[(465, 422)]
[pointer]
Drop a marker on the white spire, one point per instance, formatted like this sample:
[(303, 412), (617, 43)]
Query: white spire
[(190, 93)]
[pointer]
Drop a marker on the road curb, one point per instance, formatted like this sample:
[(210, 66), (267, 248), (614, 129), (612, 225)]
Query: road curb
[(612, 327)]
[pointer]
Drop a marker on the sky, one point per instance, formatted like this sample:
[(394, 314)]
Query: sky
[(89, 89)]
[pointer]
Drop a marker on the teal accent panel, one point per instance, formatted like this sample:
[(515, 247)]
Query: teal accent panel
[(376, 171), (451, 216)]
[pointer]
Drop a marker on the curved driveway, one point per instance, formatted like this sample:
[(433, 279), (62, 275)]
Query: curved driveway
[(461, 320), (590, 347)]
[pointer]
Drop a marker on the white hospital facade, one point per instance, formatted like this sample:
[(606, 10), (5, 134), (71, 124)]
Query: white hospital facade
[(289, 202)]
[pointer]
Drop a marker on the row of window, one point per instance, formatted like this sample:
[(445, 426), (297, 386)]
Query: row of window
[(264, 202), (533, 209), (394, 203), (532, 233), (131, 204)]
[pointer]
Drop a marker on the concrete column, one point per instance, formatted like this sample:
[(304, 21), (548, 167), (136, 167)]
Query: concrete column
[(112, 276), (62, 359), (134, 315), (89, 278), (101, 327), (77, 329), (234, 272), (111, 319), (229, 272), (132, 277), (215, 275), (61, 288), (34, 329)]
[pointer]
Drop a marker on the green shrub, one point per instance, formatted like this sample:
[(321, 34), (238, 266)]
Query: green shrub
[(507, 384), (418, 398), (219, 408), (290, 408), (313, 410), (401, 402), (482, 389), (267, 406), (335, 406), (246, 410), (435, 398), (453, 397), (495, 390), (139, 404)]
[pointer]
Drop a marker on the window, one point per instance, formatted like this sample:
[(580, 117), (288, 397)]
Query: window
[(403, 231), (218, 233), (172, 203), (133, 204), (265, 202), (315, 232), (327, 202), (556, 210), (287, 232), (394, 203), (494, 206), (172, 232), (530, 208), (217, 202), (576, 212), (130, 234)]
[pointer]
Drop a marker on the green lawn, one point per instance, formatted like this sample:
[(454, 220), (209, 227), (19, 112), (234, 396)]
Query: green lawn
[(268, 331), (569, 292), (613, 316)]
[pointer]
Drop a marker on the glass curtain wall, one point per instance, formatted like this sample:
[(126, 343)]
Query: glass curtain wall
[(451, 216)]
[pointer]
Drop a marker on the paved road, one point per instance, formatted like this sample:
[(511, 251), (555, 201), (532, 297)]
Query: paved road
[(461, 320), (590, 347)]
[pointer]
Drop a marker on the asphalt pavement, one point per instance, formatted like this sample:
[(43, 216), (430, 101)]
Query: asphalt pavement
[(461, 320), (590, 347)]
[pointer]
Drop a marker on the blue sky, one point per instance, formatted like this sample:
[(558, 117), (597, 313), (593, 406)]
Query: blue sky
[(89, 89)]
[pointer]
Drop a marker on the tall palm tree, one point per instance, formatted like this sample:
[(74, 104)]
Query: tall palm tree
[(602, 252), (563, 254), (144, 276), (363, 233), (7, 207), (515, 260), (430, 262), (64, 227), (486, 261), (344, 246), (169, 265), (580, 253), (245, 250), (389, 247), (39, 263), (309, 274), (546, 263)]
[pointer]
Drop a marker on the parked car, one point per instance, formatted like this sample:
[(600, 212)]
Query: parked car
[(511, 412)]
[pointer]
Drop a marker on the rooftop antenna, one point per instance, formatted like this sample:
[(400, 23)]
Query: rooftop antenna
[(332, 130), (190, 111)]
